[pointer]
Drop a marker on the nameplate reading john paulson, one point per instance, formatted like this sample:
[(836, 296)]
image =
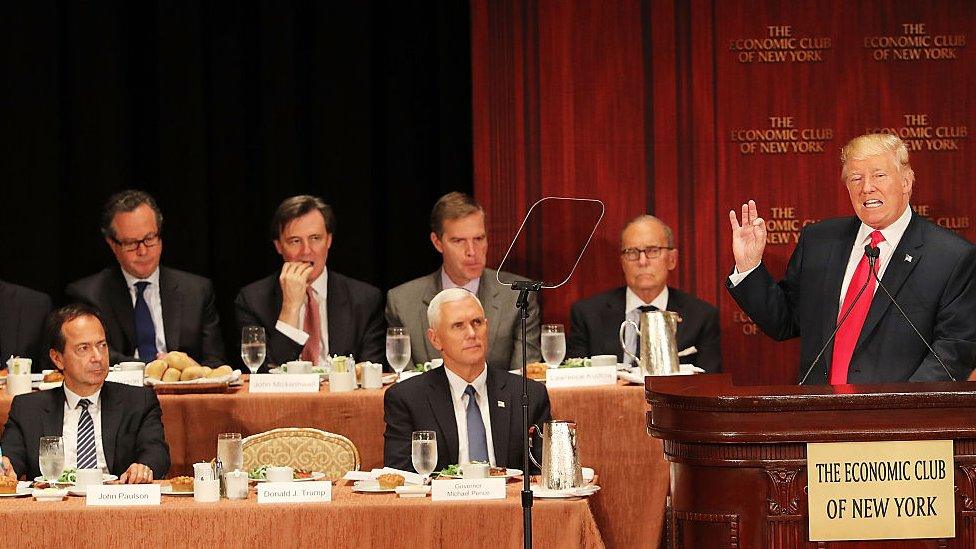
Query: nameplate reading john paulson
[(880, 490)]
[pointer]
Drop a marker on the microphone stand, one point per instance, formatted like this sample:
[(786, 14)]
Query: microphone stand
[(524, 287)]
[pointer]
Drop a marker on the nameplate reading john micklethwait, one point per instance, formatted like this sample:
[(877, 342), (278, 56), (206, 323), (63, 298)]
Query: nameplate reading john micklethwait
[(581, 377), (470, 489), (122, 495), (880, 490), (284, 383), (319, 491)]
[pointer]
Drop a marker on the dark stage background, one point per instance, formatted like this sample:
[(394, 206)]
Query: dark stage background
[(221, 109)]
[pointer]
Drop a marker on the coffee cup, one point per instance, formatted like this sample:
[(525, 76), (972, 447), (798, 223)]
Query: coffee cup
[(203, 471), (236, 482), (298, 367), (280, 474), (88, 477), (475, 470), (372, 375), (132, 365), (603, 360), (206, 491), (341, 382), (18, 384)]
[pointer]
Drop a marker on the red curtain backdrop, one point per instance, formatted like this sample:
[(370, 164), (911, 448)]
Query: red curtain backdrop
[(685, 109)]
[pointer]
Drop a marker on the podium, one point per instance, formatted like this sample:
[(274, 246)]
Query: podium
[(738, 454)]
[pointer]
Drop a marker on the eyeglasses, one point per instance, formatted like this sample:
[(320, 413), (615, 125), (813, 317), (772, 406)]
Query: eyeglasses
[(652, 252), (132, 245)]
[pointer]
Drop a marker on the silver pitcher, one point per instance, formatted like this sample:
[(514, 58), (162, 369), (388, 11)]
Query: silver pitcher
[(656, 341), (560, 456)]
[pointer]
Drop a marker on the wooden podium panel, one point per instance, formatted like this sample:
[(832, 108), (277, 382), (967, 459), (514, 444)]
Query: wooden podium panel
[(738, 454)]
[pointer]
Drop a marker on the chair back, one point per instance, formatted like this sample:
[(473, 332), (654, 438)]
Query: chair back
[(302, 448)]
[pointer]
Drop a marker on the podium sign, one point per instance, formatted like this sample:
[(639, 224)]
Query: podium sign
[(880, 490)]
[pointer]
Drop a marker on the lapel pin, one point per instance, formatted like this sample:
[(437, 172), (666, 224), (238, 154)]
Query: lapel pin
[(501, 404), (908, 258)]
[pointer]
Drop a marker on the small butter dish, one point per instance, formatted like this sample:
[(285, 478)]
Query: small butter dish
[(412, 491), (49, 494)]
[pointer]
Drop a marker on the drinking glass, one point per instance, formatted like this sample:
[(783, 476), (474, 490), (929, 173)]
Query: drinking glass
[(423, 451), (553, 344), (397, 349), (230, 452), (252, 347), (51, 458)]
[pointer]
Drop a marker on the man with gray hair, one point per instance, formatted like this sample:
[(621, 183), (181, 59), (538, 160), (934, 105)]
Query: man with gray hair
[(647, 257), (457, 224), (148, 309), (829, 286), (474, 410)]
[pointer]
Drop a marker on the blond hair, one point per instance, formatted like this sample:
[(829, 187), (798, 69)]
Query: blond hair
[(873, 144)]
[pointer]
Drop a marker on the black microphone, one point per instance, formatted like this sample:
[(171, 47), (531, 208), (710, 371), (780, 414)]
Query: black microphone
[(873, 252), (839, 322)]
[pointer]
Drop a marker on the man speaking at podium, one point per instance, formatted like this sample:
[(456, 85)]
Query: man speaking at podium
[(929, 271)]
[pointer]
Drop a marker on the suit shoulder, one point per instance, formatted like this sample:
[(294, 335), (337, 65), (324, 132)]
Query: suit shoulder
[(416, 384), (691, 302), (599, 299), (259, 287), (26, 295), (185, 277), (830, 228), (91, 284), (413, 287), (354, 285), (944, 239), (127, 392)]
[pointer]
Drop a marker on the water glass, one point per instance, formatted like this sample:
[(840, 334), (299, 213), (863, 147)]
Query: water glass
[(397, 349), (553, 344), (423, 452), (51, 458), (253, 347)]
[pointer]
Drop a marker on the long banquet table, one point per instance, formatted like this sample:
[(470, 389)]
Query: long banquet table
[(350, 520), (610, 424)]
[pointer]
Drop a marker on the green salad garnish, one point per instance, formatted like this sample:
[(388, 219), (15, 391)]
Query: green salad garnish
[(575, 363), (258, 473), (68, 475), (451, 471)]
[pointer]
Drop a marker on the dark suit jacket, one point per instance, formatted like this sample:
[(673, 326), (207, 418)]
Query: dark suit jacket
[(22, 313), (132, 429), (406, 305), (355, 318), (930, 274), (423, 403), (596, 327), (190, 320)]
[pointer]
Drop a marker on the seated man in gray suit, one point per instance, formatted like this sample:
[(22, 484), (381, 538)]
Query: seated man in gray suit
[(148, 309), (457, 225), (647, 257), (22, 313)]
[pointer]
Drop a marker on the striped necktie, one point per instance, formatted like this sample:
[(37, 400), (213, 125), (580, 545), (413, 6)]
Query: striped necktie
[(87, 459)]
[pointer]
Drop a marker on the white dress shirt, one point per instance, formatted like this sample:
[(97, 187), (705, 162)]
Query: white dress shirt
[(892, 234), (321, 286), (471, 286), (460, 400), (632, 313), (69, 433), (155, 303)]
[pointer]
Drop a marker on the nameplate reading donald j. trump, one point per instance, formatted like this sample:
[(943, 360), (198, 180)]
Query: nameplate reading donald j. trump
[(581, 377), (284, 383), (318, 491), (122, 495), (470, 488), (880, 490)]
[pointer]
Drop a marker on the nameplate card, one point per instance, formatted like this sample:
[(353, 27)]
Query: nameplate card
[(126, 377), (468, 489), (122, 495), (318, 491), (881, 490), (284, 383), (581, 377)]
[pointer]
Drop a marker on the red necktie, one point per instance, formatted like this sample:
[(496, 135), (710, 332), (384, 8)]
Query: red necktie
[(313, 327), (851, 329)]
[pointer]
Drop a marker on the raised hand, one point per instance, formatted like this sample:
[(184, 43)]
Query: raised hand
[(293, 279), (748, 239)]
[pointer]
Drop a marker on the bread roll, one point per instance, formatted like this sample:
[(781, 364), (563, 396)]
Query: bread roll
[(171, 374), (180, 360), (193, 372), (156, 369), (224, 370)]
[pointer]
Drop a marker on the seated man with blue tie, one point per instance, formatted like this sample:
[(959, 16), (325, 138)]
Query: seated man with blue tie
[(475, 411), (148, 309), (113, 427)]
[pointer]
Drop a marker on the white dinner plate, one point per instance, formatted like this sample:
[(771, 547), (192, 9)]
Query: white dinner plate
[(105, 478), (370, 488), (509, 473), (583, 491), (167, 490), (21, 492), (316, 475)]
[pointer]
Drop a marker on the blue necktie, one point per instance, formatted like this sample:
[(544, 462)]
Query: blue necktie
[(145, 329), (87, 459), (477, 440)]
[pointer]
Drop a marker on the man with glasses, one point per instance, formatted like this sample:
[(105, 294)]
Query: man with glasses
[(148, 310), (647, 257)]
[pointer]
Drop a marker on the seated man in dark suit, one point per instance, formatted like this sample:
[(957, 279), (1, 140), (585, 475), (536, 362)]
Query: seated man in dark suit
[(647, 257), (475, 410), (308, 311), (22, 313), (148, 309), (116, 428)]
